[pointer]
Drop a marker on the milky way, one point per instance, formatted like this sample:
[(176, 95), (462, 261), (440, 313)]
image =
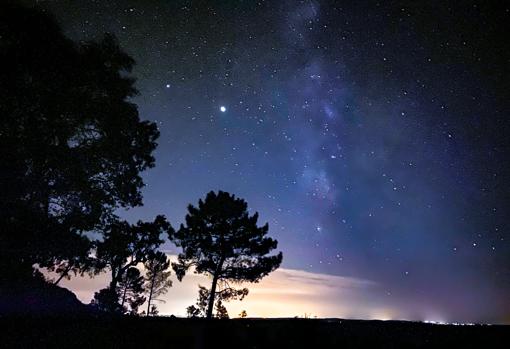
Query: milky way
[(371, 137)]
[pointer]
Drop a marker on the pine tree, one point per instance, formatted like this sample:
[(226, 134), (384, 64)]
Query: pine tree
[(221, 311), (157, 279), (222, 240), (123, 247), (131, 291), (126, 245), (199, 309)]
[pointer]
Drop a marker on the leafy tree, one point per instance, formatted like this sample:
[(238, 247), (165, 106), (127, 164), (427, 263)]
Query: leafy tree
[(193, 311), (124, 245), (122, 248), (243, 314), (221, 311), (157, 279), (200, 307), (107, 300), (74, 260), (222, 240), (153, 311), (71, 143), (131, 290)]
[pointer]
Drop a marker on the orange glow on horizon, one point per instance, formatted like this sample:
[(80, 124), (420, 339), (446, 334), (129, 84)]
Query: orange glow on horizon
[(284, 293)]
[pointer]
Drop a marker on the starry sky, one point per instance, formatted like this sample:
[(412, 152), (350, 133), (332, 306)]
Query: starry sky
[(372, 136)]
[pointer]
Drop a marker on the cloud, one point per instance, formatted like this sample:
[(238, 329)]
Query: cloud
[(291, 292), (284, 293)]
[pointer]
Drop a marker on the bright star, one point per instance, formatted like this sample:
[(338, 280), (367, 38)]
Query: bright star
[(223, 109)]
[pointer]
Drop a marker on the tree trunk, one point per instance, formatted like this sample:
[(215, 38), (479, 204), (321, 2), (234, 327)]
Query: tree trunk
[(62, 275), (113, 282), (213, 288), (150, 294), (59, 279), (124, 297), (117, 274), (211, 297)]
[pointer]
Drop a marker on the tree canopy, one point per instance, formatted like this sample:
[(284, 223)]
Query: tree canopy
[(221, 239), (131, 291), (122, 248), (157, 279), (72, 145), (125, 245)]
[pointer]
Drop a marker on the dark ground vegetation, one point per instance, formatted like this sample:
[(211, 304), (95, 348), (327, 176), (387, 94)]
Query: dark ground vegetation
[(159, 332)]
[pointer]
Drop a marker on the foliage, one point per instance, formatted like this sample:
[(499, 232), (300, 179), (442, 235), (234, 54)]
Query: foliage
[(223, 295), (193, 311), (221, 311), (131, 290), (123, 247), (74, 262), (126, 245), (200, 309), (153, 311), (222, 240), (107, 300), (157, 279), (72, 144), (227, 293)]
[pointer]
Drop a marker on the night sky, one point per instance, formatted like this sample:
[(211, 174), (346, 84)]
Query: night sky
[(371, 136)]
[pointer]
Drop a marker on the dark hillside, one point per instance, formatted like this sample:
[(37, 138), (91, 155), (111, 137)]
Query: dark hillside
[(40, 298)]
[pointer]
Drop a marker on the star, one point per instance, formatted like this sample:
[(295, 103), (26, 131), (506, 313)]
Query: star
[(311, 142)]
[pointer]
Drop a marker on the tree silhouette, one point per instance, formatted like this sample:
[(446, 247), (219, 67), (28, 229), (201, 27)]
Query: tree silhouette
[(225, 294), (153, 311), (74, 260), (200, 307), (193, 311), (221, 311), (72, 145), (222, 240), (131, 290), (157, 279), (107, 300), (124, 246)]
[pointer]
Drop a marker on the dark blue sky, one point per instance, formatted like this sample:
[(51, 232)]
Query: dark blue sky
[(371, 137)]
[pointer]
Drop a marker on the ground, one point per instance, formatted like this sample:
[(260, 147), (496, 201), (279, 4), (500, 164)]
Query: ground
[(159, 332)]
